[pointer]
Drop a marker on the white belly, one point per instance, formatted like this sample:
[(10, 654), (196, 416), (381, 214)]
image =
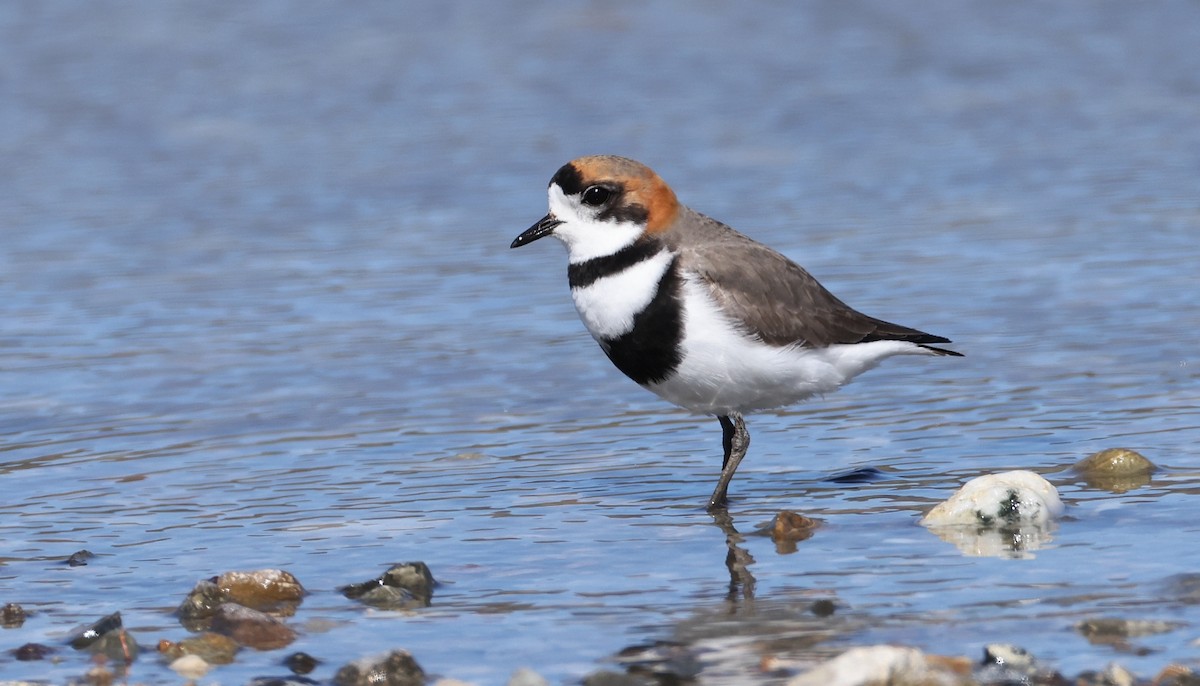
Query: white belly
[(725, 371)]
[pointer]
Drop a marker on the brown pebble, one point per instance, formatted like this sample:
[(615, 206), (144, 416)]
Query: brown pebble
[(789, 528), (267, 590)]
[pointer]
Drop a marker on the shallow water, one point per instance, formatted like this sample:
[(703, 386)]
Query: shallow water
[(257, 309)]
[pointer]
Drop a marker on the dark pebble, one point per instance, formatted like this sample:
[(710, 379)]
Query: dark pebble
[(32, 651), (610, 678), (80, 558), (861, 475), (282, 681), (12, 616), (301, 663), (823, 608)]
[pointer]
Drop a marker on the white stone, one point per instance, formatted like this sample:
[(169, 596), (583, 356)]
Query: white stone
[(525, 676), (1015, 498), (190, 666), (881, 665), (998, 515)]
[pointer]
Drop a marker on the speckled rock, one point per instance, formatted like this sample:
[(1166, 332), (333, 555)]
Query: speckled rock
[(397, 668), (886, 665), (1004, 663), (252, 628), (999, 515), (201, 603), (403, 586), (1115, 469), (1015, 498)]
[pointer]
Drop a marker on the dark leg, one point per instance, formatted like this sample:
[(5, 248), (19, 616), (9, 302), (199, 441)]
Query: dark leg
[(735, 439)]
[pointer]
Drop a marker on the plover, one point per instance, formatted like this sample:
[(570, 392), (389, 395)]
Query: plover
[(698, 313)]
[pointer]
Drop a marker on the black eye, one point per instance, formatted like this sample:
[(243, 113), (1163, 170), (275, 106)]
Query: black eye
[(596, 196)]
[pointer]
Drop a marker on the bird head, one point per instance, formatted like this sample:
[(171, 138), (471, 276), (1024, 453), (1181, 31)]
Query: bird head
[(601, 204)]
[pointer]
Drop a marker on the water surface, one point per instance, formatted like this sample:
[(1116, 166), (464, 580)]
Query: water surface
[(257, 309)]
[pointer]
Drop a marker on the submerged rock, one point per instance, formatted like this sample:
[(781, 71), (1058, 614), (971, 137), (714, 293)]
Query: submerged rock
[(282, 681), (664, 661), (32, 651), (190, 666), (301, 663), (397, 668), (99, 675), (200, 605), (252, 628), (107, 637), (607, 677), (1113, 675), (403, 586), (12, 616), (79, 558), (886, 665), (997, 515), (1116, 632), (1116, 469), (213, 648), (525, 676)]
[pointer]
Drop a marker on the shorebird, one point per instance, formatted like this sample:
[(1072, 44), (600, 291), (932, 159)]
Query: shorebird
[(698, 313)]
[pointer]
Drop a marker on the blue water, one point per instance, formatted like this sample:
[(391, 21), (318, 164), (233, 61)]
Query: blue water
[(257, 309)]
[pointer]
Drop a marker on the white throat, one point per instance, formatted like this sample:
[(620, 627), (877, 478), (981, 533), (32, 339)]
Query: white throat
[(585, 237)]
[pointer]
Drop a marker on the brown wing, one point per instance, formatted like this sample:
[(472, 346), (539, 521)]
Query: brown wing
[(776, 299)]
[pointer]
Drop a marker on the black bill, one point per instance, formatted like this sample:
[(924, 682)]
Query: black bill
[(544, 227)]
